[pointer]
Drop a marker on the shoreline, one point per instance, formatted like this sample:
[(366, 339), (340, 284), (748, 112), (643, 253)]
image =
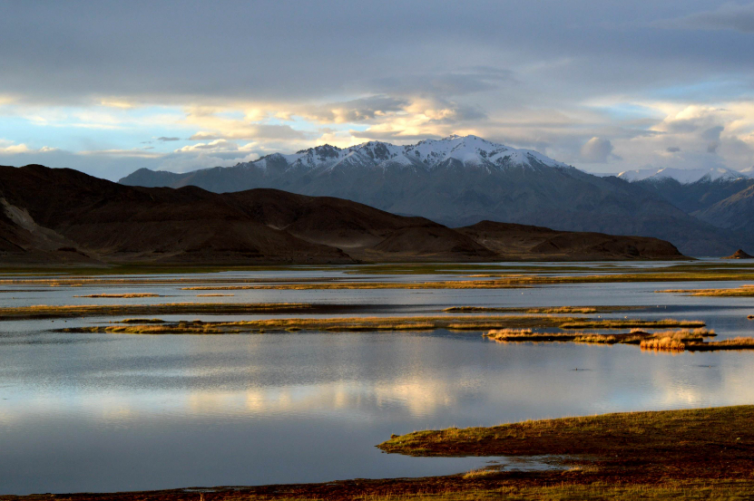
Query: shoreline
[(658, 454)]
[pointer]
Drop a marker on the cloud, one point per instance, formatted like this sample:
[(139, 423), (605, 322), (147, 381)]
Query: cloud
[(136, 153), (461, 82), (596, 150), (549, 76), (729, 16), (216, 145), (672, 149), (215, 126), (10, 148), (203, 136), (356, 111)]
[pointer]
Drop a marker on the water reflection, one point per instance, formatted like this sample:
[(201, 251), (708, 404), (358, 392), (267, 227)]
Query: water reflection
[(103, 412)]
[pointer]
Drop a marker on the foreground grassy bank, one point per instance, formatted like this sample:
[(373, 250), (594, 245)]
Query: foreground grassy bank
[(687, 454)]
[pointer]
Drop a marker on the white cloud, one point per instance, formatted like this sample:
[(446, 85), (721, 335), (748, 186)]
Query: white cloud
[(137, 153), (216, 145), (596, 150), (10, 148)]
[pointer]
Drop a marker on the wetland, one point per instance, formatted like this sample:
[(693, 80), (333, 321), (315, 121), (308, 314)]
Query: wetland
[(314, 378)]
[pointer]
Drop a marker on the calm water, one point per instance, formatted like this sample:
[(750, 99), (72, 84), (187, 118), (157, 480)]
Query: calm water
[(82, 412)]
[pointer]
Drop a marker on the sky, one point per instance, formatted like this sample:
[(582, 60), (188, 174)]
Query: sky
[(108, 87)]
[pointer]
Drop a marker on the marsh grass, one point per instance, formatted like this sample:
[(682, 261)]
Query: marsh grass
[(529, 335), (496, 282), (673, 341), (128, 295), (341, 324), (466, 487), (635, 433), (68, 311), (543, 310), (743, 291), (629, 323), (517, 335), (668, 490), (738, 343), (141, 321), (450, 284), (499, 327)]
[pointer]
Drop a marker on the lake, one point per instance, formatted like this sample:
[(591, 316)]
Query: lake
[(104, 412)]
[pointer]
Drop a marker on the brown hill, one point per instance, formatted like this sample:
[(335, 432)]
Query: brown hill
[(517, 241), (61, 215), (740, 254), (106, 222)]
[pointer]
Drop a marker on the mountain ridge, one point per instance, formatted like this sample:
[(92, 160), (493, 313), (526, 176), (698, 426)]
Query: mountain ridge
[(684, 176), (459, 181), (64, 216)]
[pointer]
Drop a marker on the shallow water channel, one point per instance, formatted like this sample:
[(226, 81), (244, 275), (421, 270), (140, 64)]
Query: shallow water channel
[(104, 412)]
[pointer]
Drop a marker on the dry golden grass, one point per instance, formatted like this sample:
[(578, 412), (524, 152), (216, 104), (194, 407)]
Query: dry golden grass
[(738, 343), (518, 335), (214, 295), (67, 311), (597, 339), (641, 431), (183, 327), (450, 284), (560, 309), (482, 472), (141, 321), (663, 344), (343, 324), (494, 486), (743, 291), (506, 335), (678, 340), (129, 295), (629, 323)]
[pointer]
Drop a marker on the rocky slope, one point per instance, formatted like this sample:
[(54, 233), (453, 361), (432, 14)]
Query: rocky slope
[(63, 216), (734, 213), (460, 181), (699, 195)]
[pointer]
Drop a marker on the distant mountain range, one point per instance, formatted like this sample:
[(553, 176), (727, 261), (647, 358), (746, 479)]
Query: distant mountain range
[(685, 176), (62, 216), (459, 181)]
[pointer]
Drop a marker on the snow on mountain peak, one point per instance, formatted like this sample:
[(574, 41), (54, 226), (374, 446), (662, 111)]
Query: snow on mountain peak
[(683, 176), (427, 154)]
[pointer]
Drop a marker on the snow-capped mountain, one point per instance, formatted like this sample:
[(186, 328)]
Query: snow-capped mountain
[(683, 176), (427, 155), (460, 181)]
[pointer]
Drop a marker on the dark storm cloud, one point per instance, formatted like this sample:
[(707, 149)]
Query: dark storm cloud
[(464, 81), (266, 50)]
